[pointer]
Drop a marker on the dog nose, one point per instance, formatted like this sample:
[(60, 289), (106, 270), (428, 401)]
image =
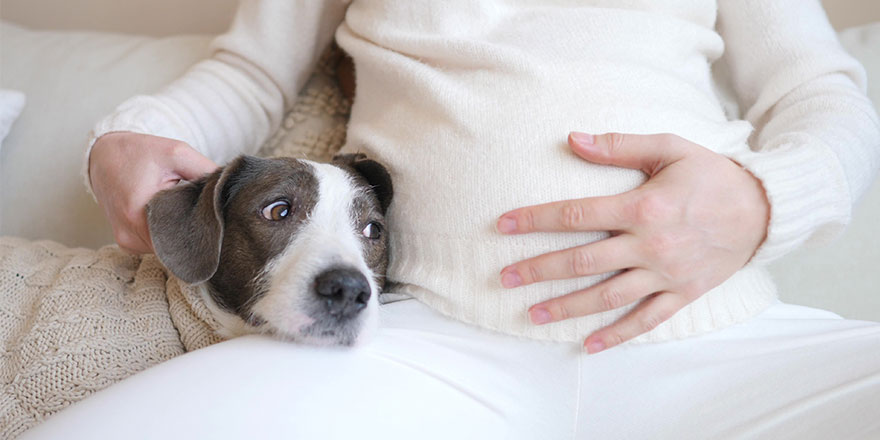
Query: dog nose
[(346, 291)]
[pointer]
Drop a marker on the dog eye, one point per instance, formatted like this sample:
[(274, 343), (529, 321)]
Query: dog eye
[(276, 210), (373, 231)]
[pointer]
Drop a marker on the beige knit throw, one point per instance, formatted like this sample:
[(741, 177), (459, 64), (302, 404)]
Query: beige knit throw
[(74, 321)]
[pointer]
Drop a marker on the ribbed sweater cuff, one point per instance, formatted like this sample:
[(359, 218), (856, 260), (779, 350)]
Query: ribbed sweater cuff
[(808, 194)]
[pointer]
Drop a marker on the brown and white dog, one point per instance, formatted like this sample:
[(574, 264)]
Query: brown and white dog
[(288, 247), (291, 248)]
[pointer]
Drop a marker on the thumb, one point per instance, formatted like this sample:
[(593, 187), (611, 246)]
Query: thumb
[(189, 164), (649, 153)]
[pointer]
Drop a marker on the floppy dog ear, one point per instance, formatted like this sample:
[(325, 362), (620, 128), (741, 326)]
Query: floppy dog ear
[(373, 172), (186, 225)]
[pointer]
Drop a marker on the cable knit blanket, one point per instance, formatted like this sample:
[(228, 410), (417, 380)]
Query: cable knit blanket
[(74, 321)]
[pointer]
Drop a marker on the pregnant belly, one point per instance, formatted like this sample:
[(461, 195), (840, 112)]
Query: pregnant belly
[(463, 153)]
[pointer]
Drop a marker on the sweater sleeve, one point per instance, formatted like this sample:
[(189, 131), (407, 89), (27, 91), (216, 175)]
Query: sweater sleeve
[(231, 102), (816, 145)]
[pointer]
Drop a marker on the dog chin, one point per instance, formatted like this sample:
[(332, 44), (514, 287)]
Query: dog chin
[(317, 332), (278, 318), (353, 334)]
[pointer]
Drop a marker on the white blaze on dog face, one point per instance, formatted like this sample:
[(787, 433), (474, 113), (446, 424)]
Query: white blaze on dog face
[(287, 247), (330, 239)]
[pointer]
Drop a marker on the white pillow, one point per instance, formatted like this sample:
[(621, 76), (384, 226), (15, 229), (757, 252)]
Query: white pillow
[(11, 104)]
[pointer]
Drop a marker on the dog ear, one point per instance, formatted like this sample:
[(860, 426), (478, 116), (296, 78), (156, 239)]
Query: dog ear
[(186, 225), (373, 172)]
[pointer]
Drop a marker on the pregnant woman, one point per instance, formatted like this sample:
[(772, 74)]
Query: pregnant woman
[(566, 181)]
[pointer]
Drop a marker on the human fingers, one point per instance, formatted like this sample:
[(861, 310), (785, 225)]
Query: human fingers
[(649, 153), (609, 213), (128, 217), (608, 255), (179, 162), (130, 240), (129, 234), (187, 163), (617, 291), (643, 318)]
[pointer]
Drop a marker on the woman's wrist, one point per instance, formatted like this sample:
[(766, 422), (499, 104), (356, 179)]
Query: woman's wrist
[(807, 193)]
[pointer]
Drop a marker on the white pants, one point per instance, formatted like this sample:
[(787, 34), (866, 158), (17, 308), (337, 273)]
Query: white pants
[(791, 372)]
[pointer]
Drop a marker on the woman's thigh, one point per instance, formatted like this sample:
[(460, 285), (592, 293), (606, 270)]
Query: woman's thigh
[(790, 372), (423, 376)]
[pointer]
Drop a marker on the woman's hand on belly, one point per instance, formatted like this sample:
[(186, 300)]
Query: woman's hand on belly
[(697, 220)]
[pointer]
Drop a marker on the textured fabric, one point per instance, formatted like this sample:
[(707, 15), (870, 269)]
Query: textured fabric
[(315, 127), (469, 102), (788, 373), (74, 321)]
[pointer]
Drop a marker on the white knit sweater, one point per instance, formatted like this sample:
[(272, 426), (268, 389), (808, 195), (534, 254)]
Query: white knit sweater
[(469, 102)]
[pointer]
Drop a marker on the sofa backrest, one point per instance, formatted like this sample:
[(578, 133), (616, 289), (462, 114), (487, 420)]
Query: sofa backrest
[(168, 17)]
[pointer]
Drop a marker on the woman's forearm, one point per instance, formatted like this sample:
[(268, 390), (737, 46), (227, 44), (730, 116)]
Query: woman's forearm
[(231, 102), (816, 138)]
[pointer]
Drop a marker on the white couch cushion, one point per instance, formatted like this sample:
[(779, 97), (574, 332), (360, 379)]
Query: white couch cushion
[(71, 79)]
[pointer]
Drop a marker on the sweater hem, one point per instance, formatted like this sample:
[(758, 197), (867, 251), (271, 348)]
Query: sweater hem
[(436, 274)]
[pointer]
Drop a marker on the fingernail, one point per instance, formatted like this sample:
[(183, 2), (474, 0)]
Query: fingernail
[(539, 316), (583, 138), (511, 279), (595, 347), (507, 224)]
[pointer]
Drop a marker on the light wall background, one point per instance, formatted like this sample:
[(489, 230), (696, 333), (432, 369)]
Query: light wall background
[(148, 17), (167, 17), (847, 13)]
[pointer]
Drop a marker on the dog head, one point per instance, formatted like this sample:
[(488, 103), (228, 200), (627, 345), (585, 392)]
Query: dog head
[(288, 247)]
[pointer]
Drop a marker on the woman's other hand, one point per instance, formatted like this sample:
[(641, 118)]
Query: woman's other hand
[(697, 220), (126, 169)]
